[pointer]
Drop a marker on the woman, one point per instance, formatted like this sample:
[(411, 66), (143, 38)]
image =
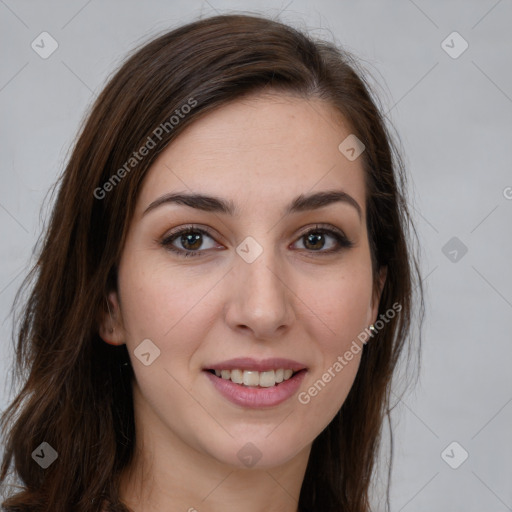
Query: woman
[(224, 289)]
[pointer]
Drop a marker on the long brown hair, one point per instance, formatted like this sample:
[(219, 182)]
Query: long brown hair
[(76, 394)]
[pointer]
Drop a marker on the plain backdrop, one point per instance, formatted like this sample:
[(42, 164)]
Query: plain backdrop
[(452, 107)]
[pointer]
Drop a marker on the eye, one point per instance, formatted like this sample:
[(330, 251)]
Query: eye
[(190, 239), (315, 240)]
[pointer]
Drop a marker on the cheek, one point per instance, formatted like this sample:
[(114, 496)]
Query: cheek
[(341, 305), (325, 392), (340, 310), (164, 303)]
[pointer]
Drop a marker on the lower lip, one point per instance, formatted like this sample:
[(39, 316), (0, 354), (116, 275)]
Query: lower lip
[(257, 397)]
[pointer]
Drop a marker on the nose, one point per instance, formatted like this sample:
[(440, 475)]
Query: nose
[(260, 297)]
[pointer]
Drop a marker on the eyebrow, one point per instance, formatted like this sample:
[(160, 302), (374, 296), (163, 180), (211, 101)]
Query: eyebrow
[(301, 203)]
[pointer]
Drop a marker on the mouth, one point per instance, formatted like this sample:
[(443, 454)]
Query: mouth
[(256, 383), (256, 389), (256, 379)]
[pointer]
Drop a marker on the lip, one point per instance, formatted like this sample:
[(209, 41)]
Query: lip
[(256, 397), (262, 365)]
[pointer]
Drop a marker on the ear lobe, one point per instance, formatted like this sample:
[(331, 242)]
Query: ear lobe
[(110, 325)]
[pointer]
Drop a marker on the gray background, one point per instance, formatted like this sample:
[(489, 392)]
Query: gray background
[(454, 118)]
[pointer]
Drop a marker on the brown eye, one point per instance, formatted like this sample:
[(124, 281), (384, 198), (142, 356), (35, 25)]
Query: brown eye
[(316, 239), (190, 239)]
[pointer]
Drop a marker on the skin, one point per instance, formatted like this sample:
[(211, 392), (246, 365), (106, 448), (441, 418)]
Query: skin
[(294, 301)]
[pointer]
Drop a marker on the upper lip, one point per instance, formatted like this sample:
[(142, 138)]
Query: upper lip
[(261, 365)]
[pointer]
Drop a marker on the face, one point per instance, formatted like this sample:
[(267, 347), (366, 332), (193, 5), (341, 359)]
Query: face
[(279, 283)]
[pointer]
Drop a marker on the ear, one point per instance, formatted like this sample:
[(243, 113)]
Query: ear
[(383, 272), (111, 327)]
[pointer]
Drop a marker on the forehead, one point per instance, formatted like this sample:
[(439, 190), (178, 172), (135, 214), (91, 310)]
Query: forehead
[(265, 147)]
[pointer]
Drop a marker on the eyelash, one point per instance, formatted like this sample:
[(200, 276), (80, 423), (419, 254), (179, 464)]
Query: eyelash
[(343, 241)]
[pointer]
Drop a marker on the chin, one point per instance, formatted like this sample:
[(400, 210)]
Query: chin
[(257, 451)]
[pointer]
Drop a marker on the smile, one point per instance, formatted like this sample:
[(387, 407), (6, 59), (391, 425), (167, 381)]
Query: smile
[(256, 397)]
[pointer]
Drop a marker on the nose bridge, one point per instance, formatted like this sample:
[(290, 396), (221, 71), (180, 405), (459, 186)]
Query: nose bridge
[(261, 298)]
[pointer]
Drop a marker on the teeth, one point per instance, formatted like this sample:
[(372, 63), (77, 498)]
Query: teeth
[(237, 376), (268, 379), (252, 378)]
